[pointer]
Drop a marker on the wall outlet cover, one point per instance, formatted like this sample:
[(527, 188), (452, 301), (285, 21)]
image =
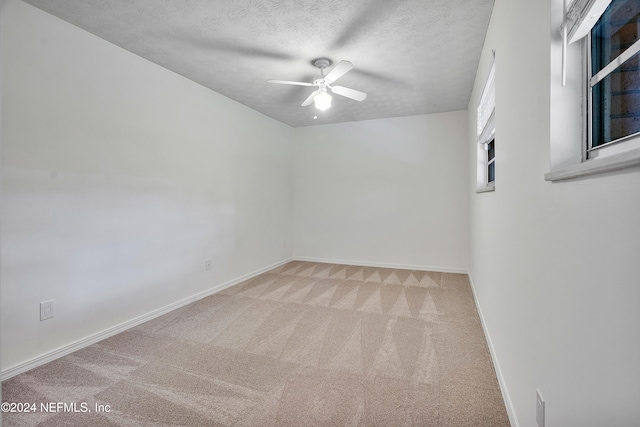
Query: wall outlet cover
[(46, 310), (539, 409)]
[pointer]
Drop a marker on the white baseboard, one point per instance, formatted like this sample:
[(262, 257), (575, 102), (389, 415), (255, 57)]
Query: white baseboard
[(494, 358), (383, 265), (92, 339)]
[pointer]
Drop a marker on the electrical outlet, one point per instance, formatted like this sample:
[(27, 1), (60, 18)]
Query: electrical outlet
[(46, 310), (539, 409), (207, 264)]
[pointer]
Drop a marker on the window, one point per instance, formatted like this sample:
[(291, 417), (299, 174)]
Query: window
[(491, 164), (594, 112), (486, 135), (613, 65)]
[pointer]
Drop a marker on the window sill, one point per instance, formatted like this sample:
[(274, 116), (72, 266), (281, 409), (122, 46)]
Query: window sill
[(489, 187), (594, 166)]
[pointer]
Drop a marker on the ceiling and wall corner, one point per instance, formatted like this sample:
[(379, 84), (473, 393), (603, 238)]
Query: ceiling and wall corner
[(410, 56)]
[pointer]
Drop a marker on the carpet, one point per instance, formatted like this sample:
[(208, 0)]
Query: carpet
[(305, 344)]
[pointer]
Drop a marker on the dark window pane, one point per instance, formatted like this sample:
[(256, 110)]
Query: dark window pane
[(614, 32), (616, 103), (491, 152), (491, 172)]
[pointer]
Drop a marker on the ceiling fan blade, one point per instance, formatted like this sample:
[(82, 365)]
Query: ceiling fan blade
[(309, 100), (338, 71), (382, 77), (285, 82), (236, 47), (356, 95), (366, 20), (249, 51)]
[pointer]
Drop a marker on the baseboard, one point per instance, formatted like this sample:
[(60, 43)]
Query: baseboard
[(92, 339), (383, 265), (496, 365)]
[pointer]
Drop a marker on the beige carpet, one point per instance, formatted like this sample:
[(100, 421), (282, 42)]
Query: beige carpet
[(306, 344)]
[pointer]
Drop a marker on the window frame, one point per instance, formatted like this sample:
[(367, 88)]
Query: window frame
[(620, 145), (571, 107), (485, 132), (491, 160)]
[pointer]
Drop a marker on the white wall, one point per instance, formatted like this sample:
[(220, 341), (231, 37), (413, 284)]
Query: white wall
[(554, 265), (119, 178), (384, 192)]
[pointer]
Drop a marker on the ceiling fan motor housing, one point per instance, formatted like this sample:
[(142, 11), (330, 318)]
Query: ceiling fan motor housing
[(321, 63)]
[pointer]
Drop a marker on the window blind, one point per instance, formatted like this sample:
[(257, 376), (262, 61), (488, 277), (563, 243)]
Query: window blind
[(579, 19), (486, 108), (581, 16)]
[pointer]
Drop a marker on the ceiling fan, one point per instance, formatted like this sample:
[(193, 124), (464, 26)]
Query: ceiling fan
[(321, 97)]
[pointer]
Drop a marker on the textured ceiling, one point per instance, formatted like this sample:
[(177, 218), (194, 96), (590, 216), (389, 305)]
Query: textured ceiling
[(409, 56)]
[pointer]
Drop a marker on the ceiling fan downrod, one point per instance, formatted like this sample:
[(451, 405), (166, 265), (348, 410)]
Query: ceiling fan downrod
[(321, 63)]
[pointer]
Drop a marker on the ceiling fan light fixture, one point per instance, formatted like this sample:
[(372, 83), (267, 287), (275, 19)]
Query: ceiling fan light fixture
[(320, 97), (322, 100)]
